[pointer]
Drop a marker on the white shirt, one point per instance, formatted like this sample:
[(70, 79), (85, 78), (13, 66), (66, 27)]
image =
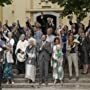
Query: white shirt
[(21, 45), (50, 38)]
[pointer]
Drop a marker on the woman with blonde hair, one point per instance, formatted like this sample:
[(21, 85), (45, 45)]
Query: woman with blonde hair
[(30, 70)]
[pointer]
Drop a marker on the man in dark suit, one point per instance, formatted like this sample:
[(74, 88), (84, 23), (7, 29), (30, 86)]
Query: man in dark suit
[(44, 57), (1, 59)]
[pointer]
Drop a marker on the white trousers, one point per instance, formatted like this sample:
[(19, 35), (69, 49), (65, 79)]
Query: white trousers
[(73, 59)]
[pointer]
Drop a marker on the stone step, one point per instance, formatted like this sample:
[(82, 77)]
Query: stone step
[(36, 85), (66, 80), (50, 75)]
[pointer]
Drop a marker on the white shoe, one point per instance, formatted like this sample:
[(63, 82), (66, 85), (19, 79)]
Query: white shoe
[(7, 83), (55, 81), (12, 83)]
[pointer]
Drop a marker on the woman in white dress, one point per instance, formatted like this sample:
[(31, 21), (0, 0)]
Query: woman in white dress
[(57, 60), (31, 61)]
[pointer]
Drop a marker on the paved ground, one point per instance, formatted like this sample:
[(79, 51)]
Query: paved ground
[(47, 88)]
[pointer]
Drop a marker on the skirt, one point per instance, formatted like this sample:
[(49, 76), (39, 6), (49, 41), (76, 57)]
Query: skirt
[(30, 72), (8, 72)]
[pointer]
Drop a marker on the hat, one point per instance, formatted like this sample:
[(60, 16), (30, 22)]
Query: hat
[(76, 41)]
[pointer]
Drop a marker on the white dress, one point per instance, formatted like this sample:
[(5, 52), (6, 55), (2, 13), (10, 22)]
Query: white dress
[(57, 60), (9, 55)]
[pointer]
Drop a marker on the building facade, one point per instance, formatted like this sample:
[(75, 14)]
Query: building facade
[(20, 9)]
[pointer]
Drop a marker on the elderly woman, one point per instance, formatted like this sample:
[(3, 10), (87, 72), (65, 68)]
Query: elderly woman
[(20, 53), (31, 61), (8, 73)]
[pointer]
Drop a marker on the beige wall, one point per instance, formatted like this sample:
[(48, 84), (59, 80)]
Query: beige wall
[(19, 7), (1, 14), (15, 11)]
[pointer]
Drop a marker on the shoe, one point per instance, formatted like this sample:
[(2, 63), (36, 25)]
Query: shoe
[(12, 82), (0, 88), (84, 72), (40, 83), (46, 83), (7, 83), (55, 81), (77, 78), (29, 81), (70, 77)]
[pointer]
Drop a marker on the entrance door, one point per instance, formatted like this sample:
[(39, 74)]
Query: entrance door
[(45, 19)]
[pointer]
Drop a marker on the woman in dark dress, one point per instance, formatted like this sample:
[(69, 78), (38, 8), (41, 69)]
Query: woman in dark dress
[(88, 46), (84, 53)]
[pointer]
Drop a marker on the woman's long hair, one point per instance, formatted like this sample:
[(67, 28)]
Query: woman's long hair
[(71, 42)]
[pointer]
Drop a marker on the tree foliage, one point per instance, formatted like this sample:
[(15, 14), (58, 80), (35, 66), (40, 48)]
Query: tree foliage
[(3, 2), (78, 7)]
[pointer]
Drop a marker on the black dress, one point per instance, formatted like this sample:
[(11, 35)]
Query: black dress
[(84, 52)]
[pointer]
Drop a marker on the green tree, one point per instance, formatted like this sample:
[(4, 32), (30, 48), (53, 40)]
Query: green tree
[(78, 7), (3, 2)]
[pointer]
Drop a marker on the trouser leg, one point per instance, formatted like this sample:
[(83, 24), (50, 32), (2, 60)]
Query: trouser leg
[(70, 65), (41, 70), (75, 62), (21, 67), (46, 70), (0, 84)]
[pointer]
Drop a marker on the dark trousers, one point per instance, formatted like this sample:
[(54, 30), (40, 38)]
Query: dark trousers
[(0, 85), (1, 74), (21, 67), (44, 69)]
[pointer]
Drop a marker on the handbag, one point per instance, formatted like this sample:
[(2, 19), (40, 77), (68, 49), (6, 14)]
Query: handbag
[(21, 57)]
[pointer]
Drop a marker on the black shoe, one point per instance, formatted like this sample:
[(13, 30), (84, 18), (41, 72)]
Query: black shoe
[(55, 81), (29, 81), (70, 77), (40, 83), (84, 72), (46, 83), (0, 88), (77, 78)]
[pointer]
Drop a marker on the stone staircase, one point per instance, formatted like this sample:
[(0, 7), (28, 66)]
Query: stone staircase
[(21, 82)]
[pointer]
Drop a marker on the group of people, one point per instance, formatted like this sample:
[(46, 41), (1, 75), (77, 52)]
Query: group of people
[(29, 48)]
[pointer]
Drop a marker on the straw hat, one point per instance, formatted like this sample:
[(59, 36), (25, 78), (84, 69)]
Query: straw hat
[(76, 41)]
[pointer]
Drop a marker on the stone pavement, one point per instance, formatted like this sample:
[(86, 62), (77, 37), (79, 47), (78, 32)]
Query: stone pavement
[(45, 88), (21, 84)]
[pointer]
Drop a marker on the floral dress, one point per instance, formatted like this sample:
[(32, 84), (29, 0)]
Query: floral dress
[(56, 63), (8, 72)]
